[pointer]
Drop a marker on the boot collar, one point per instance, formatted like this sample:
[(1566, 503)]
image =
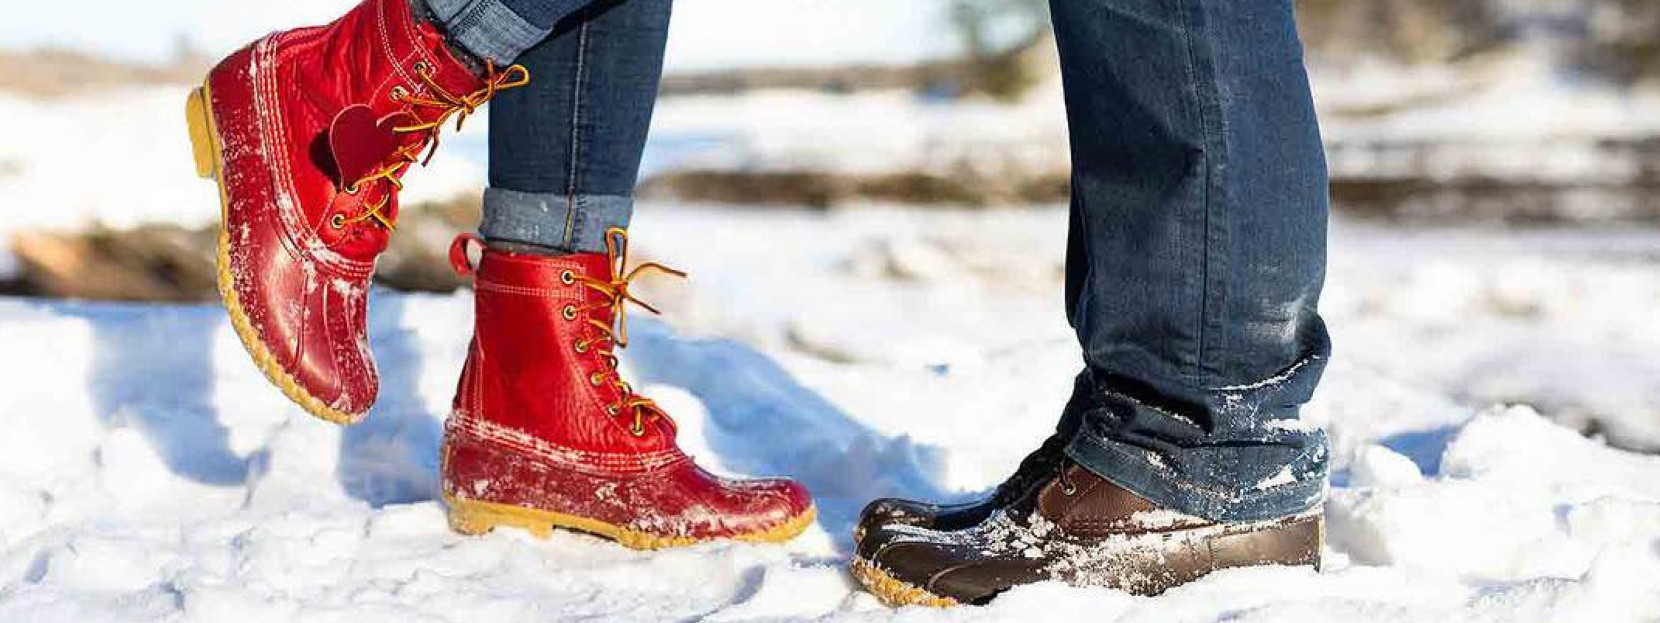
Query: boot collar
[(415, 46)]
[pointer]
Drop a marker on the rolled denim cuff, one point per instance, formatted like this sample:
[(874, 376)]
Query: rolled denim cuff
[(1136, 471), (572, 223), (1258, 463), (487, 28)]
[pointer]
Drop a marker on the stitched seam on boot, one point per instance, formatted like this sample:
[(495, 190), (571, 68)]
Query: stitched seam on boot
[(465, 424), (301, 240), (561, 294), (386, 42)]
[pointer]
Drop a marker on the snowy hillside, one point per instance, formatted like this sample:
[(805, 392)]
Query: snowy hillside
[(148, 473)]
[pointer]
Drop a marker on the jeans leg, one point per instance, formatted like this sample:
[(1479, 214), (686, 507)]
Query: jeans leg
[(565, 150), (1197, 251)]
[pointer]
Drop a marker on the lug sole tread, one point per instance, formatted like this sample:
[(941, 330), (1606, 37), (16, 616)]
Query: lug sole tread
[(892, 591)]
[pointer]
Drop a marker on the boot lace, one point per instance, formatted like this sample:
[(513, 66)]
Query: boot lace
[(450, 105), (613, 331), (1039, 465)]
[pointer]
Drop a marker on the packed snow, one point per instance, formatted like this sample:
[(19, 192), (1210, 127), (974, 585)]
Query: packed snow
[(149, 473)]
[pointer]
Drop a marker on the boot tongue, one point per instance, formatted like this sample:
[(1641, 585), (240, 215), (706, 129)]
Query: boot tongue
[(362, 143), (598, 266)]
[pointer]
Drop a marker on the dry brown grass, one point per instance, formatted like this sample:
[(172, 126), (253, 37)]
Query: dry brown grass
[(52, 73)]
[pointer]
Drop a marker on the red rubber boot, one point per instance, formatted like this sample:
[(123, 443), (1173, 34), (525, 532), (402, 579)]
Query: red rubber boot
[(308, 133), (546, 435)]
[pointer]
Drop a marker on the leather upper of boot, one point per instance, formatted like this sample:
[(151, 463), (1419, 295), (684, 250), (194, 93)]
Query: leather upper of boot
[(376, 56), (537, 360), (1081, 528), (543, 420), (316, 125)]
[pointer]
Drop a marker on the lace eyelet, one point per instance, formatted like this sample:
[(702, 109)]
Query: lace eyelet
[(352, 188), (596, 379), (421, 68), (337, 221), (581, 346), (637, 429), (567, 277), (612, 410), (569, 312), (398, 93)]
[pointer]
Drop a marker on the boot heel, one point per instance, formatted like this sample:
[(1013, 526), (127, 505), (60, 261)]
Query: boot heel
[(201, 132), (476, 518)]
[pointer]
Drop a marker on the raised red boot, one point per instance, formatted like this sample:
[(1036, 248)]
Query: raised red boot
[(308, 133), (546, 435)]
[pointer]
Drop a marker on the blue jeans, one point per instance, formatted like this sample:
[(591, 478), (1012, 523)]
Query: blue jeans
[(1196, 251), (565, 149)]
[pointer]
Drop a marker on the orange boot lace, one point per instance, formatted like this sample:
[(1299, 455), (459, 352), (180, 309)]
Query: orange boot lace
[(451, 105), (615, 297)]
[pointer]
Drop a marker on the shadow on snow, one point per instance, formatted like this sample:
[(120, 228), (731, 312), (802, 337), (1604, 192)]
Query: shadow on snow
[(154, 371), (763, 422)]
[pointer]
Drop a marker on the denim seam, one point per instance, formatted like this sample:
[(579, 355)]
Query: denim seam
[(1089, 268), (574, 176), (1194, 363), (1217, 226)]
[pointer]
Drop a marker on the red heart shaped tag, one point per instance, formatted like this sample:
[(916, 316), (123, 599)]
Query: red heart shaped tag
[(360, 143)]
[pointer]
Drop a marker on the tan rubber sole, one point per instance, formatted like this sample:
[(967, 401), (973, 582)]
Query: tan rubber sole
[(892, 591), (205, 145), (473, 517)]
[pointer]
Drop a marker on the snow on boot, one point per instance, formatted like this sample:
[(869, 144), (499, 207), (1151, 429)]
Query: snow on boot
[(545, 434), (1076, 528), (308, 133), (1034, 470)]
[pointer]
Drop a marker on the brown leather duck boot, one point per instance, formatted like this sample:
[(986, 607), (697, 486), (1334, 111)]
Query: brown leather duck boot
[(1076, 528)]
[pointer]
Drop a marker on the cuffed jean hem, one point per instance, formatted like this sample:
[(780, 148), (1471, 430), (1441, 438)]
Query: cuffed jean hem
[(573, 223), (1131, 469), (1260, 464), (487, 28)]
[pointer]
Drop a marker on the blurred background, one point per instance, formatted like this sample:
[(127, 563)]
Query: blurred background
[(1493, 164)]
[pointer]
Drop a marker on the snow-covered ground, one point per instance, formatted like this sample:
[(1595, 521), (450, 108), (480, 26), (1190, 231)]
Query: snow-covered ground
[(148, 473)]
